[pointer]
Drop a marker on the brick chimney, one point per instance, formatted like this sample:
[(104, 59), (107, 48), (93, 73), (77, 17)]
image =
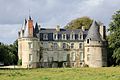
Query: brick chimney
[(30, 27)]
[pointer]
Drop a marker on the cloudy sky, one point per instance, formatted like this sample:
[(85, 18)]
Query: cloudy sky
[(50, 13)]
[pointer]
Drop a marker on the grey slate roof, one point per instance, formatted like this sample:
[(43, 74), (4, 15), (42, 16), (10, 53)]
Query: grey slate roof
[(66, 31), (50, 33), (93, 33)]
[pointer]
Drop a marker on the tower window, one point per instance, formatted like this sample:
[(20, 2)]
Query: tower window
[(88, 41), (30, 57), (88, 49), (88, 57), (30, 45), (99, 41)]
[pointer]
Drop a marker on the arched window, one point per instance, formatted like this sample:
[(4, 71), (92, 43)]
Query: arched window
[(88, 41)]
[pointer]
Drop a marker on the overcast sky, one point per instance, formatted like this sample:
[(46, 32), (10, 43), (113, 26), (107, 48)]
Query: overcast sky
[(50, 13)]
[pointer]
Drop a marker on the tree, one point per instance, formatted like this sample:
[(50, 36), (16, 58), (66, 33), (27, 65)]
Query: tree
[(79, 22), (114, 36), (8, 53)]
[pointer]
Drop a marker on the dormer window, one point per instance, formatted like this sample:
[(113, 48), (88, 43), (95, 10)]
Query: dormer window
[(72, 36), (45, 36), (55, 36), (64, 37), (80, 36)]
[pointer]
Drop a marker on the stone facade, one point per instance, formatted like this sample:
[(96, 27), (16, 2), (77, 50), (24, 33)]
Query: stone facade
[(41, 47)]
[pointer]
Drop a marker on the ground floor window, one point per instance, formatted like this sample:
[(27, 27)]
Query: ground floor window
[(81, 56)]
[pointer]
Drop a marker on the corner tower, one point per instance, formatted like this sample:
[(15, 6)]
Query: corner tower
[(28, 45), (95, 52)]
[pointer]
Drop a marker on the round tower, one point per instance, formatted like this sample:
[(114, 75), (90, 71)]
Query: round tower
[(94, 47), (28, 46)]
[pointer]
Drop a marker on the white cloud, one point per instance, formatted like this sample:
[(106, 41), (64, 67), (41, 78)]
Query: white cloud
[(51, 13), (8, 32)]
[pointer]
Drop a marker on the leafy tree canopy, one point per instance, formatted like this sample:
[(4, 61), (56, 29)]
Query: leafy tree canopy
[(8, 53), (79, 22), (114, 36)]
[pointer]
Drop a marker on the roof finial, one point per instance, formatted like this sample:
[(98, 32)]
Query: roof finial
[(29, 15)]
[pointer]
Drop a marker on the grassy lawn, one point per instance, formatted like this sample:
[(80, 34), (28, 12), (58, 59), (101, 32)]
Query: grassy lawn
[(111, 73)]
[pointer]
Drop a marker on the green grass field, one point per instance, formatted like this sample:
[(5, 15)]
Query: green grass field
[(112, 73)]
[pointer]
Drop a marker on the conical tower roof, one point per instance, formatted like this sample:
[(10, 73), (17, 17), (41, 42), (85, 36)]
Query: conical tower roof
[(93, 33)]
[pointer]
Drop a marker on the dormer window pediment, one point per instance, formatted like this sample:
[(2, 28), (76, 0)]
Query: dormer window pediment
[(80, 35), (72, 36), (55, 36)]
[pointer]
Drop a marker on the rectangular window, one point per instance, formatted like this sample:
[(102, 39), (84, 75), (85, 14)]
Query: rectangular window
[(30, 57), (55, 45), (81, 56), (30, 45), (72, 45), (64, 45), (88, 57), (88, 49), (80, 45)]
